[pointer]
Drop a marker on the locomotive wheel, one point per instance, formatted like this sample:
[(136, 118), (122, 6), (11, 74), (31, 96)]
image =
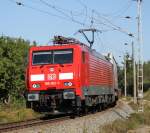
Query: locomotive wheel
[(102, 106), (72, 116), (113, 104), (28, 104), (105, 106), (86, 110), (76, 112), (99, 108), (79, 111), (93, 109)]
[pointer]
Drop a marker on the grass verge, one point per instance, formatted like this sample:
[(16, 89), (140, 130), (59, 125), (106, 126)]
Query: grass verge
[(135, 121), (16, 111)]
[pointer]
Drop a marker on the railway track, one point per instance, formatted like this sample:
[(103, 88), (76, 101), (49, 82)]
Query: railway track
[(41, 121), (30, 123)]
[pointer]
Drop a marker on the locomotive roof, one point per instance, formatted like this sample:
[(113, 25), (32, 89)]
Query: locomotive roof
[(84, 46), (95, 53), (61, 40)]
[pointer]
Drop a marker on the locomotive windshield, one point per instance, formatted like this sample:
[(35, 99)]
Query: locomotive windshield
[(64, 56), (42, 58)]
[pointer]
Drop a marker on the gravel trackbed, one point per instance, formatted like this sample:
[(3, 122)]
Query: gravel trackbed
[(89, 124)]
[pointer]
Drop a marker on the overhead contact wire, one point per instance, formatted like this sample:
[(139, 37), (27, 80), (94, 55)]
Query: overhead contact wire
[(58, 10), (46, 12)]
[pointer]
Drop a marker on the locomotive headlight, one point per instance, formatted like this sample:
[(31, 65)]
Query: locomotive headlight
[(36, 86), (67, 83)]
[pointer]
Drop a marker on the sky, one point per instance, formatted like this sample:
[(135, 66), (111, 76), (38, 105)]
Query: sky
[(40, 20)]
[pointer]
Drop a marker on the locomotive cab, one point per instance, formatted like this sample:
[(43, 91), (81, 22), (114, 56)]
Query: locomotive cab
[(51, 78)]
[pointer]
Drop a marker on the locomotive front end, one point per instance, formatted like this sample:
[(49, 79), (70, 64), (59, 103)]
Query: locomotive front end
[(51, 79)]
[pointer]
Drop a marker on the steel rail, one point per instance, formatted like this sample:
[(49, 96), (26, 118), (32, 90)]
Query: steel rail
[(29, 123)]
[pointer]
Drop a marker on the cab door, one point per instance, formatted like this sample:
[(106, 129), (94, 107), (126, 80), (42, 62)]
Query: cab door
[(84, 68)]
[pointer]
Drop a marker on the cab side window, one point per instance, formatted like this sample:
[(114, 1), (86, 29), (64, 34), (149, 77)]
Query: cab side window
[(83, 57)]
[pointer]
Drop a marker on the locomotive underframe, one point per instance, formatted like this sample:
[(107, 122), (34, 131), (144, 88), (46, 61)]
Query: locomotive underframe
[(51, 100), (54, 101)]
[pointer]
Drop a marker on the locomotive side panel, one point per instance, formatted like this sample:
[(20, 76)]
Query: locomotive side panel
[(99, 90), (100, 77)]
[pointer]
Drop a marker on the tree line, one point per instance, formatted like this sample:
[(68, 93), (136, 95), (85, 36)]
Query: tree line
[(13, 61), (129, 75)]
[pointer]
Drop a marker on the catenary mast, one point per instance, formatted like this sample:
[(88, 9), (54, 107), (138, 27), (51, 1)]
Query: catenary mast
[(140, 60)]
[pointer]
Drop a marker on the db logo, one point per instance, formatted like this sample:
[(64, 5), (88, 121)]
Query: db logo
[(51, 76)]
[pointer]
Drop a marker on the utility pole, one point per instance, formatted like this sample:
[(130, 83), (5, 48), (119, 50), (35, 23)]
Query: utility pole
[(134, 73), (140, 60), (125, 75)]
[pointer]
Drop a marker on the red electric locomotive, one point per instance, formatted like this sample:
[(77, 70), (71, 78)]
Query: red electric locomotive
[(69, 77)]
